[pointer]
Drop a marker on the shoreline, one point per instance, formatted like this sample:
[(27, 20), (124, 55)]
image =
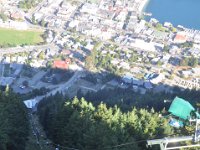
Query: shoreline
[(142, 6)]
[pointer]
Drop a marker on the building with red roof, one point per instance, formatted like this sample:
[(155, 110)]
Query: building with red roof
[(180, 38), (61, 64)]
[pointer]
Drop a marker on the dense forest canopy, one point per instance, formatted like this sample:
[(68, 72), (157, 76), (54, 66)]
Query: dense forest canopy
[(13, 122), (81, 125)]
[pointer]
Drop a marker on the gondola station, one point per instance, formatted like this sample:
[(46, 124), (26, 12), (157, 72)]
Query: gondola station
[(181, 113)]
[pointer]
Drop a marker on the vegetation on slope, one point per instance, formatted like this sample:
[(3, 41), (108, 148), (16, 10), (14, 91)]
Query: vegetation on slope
[(13, 122), (79, 124)]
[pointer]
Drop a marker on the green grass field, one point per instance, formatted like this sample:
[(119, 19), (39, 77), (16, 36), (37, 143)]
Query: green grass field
[(11, 37)]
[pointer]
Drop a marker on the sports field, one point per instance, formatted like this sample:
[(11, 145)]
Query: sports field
[(11, 37)]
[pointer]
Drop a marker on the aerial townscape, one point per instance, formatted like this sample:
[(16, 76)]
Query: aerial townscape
[(96, 75)]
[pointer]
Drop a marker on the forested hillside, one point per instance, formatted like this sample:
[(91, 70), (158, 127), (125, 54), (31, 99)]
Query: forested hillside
[(79, 124), (13, 122), (127, 98)]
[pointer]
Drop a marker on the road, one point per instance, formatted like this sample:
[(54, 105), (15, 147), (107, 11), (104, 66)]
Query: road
[(37, 78), (87, 88), (37, 8), (25, 49), (62, 87)]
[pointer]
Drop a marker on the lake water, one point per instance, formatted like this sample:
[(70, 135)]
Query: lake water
[(178, 12)]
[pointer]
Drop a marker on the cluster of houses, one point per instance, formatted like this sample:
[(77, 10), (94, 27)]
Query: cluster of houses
[(189, 84), (148, 81), (80, 24), (13, 14), (74, 46), (55, 13), (106, 18)]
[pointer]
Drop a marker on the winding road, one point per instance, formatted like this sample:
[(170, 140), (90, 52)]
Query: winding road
[(62, 87)]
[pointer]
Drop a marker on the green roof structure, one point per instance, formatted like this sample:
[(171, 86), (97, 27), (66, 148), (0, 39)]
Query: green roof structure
[(181, 108)]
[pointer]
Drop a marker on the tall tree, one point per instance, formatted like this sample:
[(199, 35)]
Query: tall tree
[(14, 122)]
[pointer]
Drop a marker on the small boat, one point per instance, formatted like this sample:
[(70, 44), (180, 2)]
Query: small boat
[(147, 14)]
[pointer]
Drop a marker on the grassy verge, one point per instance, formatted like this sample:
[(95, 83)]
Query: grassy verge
[(12, 38)]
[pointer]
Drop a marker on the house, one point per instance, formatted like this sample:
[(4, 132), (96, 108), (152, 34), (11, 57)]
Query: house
[(180, 38), (34, 54), (50, 1), (174, 50), (115, 61), (50, 52), (135, 88), (21, 59), (157, 78), (75, 67), (137, 82), (194, 51), (50, 37), (105, 34), (7, 59), (38, 16), (148, 85), (30, 103), (73, 23), (197, 38), (13, 59), (65, 5), (89, 8), (143, 45), (167, 24), (90, 46), (60, 64), (165, 58), (142, 90), (153, 21), (16, 15), (38, 63), (180, 27), (155, 60), (57, 23), (65, 52), (124, 65), (196, 71), (174, 61), (128, 78), (186, 73)]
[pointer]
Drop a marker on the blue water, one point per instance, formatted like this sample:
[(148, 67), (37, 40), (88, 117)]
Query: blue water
[(178, 12)]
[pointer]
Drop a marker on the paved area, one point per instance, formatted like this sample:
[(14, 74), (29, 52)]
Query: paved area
[(37, 78), (62, 88)]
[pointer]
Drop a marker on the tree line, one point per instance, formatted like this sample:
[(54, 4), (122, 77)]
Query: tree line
[(127, 98), (14, 125)]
